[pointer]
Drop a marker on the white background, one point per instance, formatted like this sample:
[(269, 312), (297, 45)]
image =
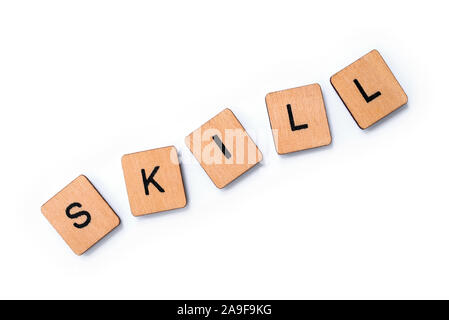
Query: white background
[(84, 82)]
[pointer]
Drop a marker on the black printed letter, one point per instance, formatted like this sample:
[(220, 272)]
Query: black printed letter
[(221, 145), (292, 121), (150, 179), (362, 91), (77, 215)]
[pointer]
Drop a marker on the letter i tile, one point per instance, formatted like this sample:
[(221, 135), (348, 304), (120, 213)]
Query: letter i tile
[(223, 148), (154, 181)]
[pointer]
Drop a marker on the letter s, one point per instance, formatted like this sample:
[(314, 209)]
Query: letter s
[(77, 215)]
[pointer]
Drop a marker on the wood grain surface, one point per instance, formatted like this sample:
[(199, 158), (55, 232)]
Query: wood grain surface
[(298, 119), (223, 165), (80, 215), (383, 93), (166, 189)]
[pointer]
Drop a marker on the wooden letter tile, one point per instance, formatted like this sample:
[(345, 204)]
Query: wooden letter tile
[(369, 89), (80, 215), (153, 181), (298, 119), (223, 148)]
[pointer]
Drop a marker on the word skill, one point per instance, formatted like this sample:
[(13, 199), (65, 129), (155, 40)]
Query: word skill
[(225, 151)]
